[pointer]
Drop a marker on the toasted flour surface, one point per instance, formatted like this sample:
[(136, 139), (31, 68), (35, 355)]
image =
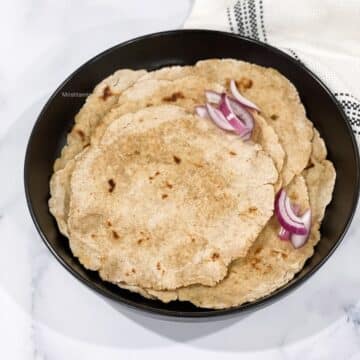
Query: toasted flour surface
[(166, 199), (285, 136), (173, 85), (270, 262)]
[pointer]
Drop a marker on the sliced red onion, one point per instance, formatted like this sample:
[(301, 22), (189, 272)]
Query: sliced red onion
[(290, 211), (241, 99), (285, 234), (287, 221), (242, 113), (201, 111), (239, 110), (225, 107), (218, 118), (247, 136), (212, 97), (295, 208), (300, 240)]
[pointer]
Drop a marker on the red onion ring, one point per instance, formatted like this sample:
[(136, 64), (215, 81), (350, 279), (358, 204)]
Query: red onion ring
[(283, 233), (298, 240), (240, 98), (287, 221), (201, 111), (242, 113), (247, 136), (238, 108), (218, 118), (227, 110), (212, 97), (290, 211)]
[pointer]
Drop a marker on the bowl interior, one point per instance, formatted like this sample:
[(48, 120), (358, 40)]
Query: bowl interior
[(181, 48)]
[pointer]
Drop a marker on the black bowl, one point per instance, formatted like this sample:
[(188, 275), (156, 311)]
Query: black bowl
[(186, 47)]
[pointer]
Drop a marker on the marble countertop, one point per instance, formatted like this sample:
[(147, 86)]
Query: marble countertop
[(45, 313)]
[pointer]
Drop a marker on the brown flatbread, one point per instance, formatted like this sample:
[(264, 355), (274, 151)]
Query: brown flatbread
[(187, 92), (166, 199), (98, 103), (279, 102)]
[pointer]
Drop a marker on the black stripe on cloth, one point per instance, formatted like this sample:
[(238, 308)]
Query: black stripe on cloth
[(351, 106), (295, 55), (229, 20), (239, 18), (247, 25), (261, 8), (253, 19), (342, 94), (249, 18)]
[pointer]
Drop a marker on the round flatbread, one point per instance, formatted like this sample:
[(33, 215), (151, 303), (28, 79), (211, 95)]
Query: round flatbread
[(183, 91), (98, 103), (186, 92), (281, 128), (166, 199), (278, 101), (270, 263)]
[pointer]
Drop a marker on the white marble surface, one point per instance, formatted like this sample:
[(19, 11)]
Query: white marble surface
[(44, 312)]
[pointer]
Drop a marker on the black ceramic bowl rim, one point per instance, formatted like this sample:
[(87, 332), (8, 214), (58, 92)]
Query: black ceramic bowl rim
[(276, 295)]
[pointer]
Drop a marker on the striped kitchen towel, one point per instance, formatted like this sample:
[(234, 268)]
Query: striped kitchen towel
[(322, 34)]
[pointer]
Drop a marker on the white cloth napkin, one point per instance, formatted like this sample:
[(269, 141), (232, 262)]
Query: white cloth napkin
[(323, 34)]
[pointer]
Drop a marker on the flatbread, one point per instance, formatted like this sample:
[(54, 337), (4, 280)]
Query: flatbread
[(102, 99), (282, 115), (318, 151), (60, 195), (187, 92), (166, 199), (98, 103), (270, 263), (279, 102)]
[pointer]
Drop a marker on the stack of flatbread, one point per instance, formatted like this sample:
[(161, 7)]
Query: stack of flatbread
[(164, 203)]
